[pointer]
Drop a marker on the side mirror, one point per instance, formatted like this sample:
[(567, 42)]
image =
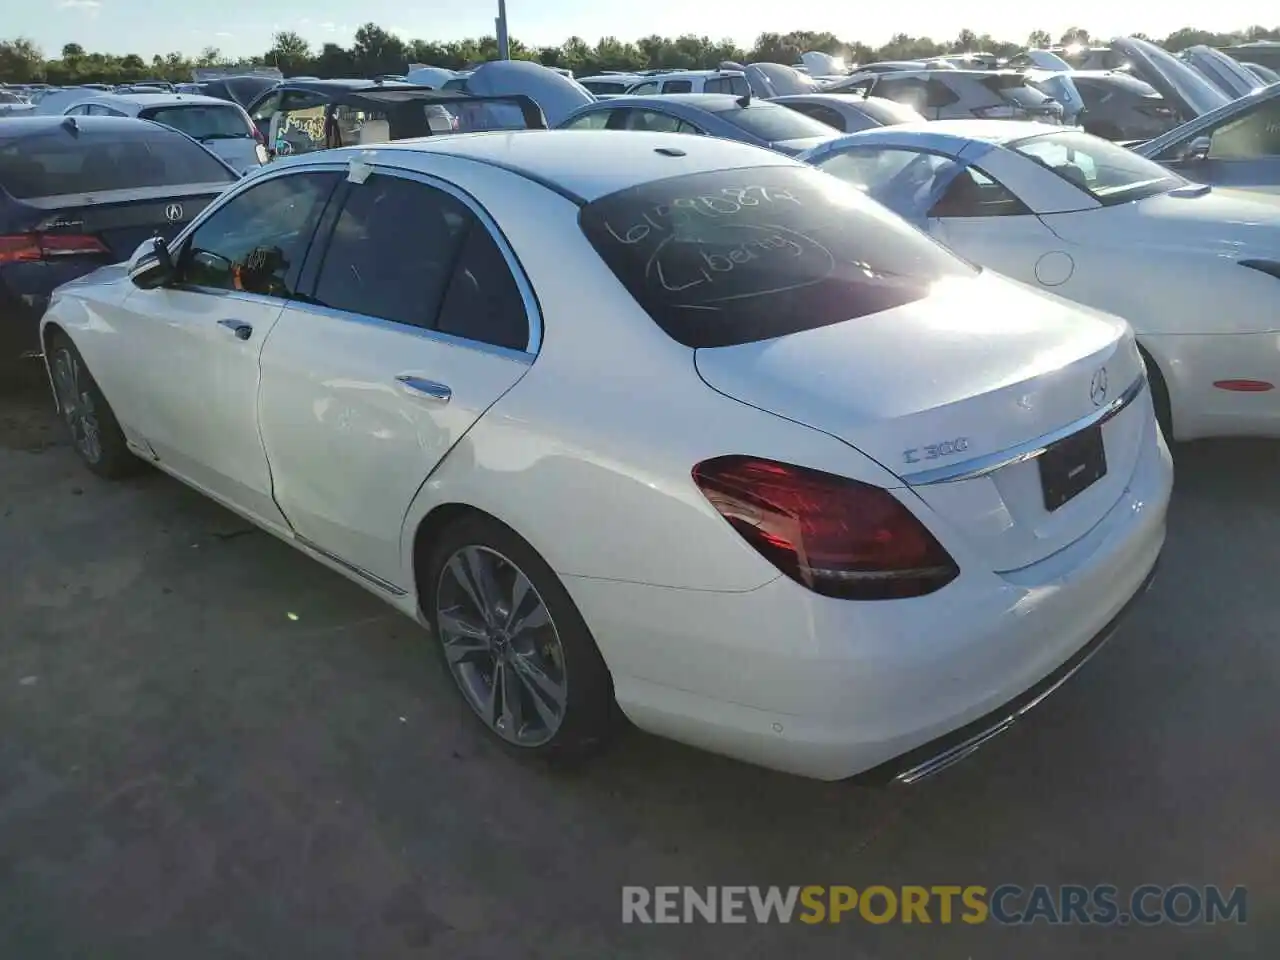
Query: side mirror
[(1197, 150), (151, 264)]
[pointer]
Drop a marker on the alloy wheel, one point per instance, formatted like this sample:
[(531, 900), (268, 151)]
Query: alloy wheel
[(501, 645), (78, 408)]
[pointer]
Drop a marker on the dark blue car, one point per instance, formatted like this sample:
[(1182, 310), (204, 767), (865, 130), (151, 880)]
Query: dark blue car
[(80, 192)]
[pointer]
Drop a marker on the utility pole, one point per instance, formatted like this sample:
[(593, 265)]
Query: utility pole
[(504, 45)]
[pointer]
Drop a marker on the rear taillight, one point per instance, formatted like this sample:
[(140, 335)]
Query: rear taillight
[(27, 247), (838, 537)]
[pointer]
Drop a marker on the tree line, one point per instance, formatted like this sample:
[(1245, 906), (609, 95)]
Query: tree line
[(376, 51)]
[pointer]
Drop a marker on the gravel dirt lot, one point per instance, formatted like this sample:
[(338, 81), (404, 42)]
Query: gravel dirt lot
[(211, 747)]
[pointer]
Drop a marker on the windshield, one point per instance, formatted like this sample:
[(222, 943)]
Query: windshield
[(1107, 172), (202, 121), (773, 123), (99, 160), (734, 256)]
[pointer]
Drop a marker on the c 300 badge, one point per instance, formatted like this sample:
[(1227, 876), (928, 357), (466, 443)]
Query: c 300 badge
[(935, 451)]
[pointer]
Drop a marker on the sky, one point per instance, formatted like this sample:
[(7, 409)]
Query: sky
[(240, 27)]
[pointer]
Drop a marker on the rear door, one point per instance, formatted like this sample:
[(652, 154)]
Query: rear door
[(194, 344), (416, 322)]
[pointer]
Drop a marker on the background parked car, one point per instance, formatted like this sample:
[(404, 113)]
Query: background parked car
[(1237, 145), (1119, 106), (610, 84), (848, 113), (1192, 269), (145, 180), (241, 90), (1228, 75), (954, 94), (693, 81), (1265, 75), (761, 123), (221, 127)]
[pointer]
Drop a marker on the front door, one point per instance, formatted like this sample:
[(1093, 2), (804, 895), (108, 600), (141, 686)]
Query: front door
[(195, 397), (414, 325)]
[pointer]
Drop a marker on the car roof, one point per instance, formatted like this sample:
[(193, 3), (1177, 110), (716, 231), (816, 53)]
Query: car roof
[(144, 100), (26, 125), (583, 164)]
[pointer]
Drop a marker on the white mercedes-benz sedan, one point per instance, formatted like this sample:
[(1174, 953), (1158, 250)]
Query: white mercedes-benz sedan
[(1194, 269), (644, 425)]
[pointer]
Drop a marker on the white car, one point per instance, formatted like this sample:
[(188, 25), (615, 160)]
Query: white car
[(222, 127), (650, 423), (1194, 269)]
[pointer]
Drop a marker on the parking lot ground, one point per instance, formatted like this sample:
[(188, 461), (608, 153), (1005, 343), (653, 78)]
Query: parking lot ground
[(211, 747)]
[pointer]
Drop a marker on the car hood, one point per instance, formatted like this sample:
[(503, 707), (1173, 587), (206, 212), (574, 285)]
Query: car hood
[(556, 94), (1213, 63), (1184, 89)]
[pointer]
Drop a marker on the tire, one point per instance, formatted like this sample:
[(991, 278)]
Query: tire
[(94, 431), (561, 707), (1159, 398)]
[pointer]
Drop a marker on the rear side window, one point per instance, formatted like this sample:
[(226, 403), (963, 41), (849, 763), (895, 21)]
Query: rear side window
[(1014, 89), (677, 86), (98, 160), (376, 267), (203, 121), (483, 302), (735, 256)]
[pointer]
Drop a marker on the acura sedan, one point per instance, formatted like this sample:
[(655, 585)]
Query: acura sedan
[(655, 426)]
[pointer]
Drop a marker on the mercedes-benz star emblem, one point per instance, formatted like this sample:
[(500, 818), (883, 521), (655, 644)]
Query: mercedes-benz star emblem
[(1098, 388), (173, 212)]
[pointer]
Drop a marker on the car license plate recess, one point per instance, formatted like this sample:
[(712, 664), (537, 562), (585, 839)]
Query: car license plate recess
[(1071, 466)]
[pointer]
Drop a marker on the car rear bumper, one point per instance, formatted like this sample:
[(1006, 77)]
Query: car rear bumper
[(829, 689), (25, 290)]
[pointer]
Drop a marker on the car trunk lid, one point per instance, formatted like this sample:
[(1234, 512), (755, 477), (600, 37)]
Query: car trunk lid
[(934, 387), (120, 219)]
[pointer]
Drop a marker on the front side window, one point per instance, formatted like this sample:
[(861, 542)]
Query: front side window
[(914, 93), (652, 121), (735, 256), (593, 120), (646, 88), (1249, 137), (392, 251), (1107, 172), (256, 242)]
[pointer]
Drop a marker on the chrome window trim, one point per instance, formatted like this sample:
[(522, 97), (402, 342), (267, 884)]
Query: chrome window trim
[(436, 336), (360, 572), (1030, 450)]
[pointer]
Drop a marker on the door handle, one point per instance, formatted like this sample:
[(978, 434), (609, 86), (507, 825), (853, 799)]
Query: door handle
[(425, 388), (242, 330)]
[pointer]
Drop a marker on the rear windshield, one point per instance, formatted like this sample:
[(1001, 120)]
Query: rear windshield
[(102, 159), (773, 123), (202, 121), (735, 256)]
